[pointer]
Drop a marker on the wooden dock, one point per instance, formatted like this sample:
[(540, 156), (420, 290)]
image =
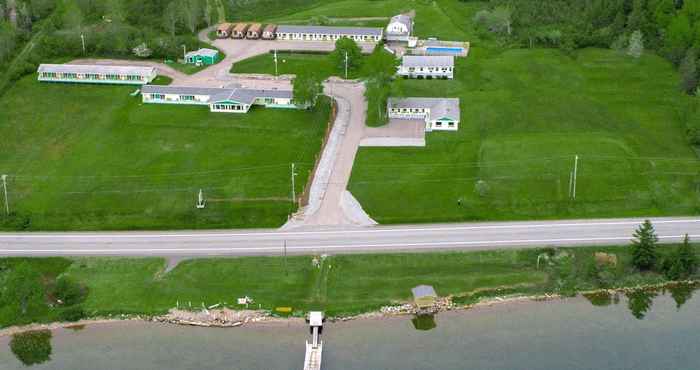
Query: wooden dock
[(314, 349)]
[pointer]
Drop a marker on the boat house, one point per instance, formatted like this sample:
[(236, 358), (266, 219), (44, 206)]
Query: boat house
[(439, 114), (230, 100), (326, 33), (91, 73), (427, 66), (424, 296), (202, 56), (399, 28), (224, 30)]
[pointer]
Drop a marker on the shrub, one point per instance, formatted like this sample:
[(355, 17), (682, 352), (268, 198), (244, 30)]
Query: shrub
[(72, 314), (68, 291), (32, 347)]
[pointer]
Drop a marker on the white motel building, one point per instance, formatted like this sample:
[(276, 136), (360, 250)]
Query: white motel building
[(325, 33), (101, 74), (228, 100), (439, 114), (427, 66)]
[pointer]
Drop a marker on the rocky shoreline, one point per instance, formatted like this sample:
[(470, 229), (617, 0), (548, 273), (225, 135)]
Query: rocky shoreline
[(229, 318)]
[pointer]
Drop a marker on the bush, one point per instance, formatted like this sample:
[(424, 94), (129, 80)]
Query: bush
[(72, 314), (68, 291), (32, 347)]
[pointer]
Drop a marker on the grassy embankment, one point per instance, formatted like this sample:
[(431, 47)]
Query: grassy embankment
[(86, 157), (342, 285), (526, 113)]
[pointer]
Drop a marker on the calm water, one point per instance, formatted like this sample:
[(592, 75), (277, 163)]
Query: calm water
[(570, 334)]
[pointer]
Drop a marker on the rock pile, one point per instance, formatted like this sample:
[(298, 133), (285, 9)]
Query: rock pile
[(219, 318)]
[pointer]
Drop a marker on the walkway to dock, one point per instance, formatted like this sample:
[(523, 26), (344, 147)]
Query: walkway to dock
[(314, 350)]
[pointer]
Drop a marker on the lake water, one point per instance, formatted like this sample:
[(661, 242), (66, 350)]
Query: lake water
[(568, 334)]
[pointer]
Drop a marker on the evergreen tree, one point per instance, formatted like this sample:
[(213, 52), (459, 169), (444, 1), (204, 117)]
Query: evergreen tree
[(687, 258), (644, 253)]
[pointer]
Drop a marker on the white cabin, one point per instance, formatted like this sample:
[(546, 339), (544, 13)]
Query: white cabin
[(428, 67), (439, 114)]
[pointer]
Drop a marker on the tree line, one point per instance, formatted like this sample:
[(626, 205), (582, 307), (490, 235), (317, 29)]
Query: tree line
[(668, 27)]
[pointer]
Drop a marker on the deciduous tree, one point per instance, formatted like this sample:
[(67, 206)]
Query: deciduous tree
[(636, 44), (354, 54)]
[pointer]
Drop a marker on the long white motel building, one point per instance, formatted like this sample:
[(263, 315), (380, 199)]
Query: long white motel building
[(228, 100), (438, 113), (427, 66), (102, 74), (325, 33)]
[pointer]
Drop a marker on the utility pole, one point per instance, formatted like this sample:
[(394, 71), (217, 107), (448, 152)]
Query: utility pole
[(294, 174), (184, 52), (4, 187), (346, 65), (82, 38), (285, 257), (575, 174), (275, 62)]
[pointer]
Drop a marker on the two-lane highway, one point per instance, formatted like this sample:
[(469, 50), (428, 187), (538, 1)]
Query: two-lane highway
[(472, 236)]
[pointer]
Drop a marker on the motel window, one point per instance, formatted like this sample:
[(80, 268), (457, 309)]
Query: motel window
[(187, 97)]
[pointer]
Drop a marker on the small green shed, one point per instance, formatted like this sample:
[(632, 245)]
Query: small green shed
[(202, 56)]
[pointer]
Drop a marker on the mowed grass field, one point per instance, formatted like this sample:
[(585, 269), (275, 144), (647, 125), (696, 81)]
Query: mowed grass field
[(434, 18), (338, 285), (526, 114), (87, 157), (295, 63)]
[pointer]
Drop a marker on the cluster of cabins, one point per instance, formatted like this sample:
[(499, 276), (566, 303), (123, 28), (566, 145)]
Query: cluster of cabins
[(437, 113), (252, 31), (256, 31)]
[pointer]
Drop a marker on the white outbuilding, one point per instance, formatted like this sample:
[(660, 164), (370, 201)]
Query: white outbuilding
[(427, 66), (439, 114), (399, 28)]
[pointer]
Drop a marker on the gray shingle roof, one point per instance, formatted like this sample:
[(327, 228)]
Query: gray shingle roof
[(428, 61), (246, 96), (98, 69), (181, 90), (423, 291), (369, 31), (403, 19), (439, 107)]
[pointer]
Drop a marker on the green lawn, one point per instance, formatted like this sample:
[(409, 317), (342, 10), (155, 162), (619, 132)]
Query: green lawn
[(87, 157), (525, 115), (341, 285), (433, 17), (294, 63)]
